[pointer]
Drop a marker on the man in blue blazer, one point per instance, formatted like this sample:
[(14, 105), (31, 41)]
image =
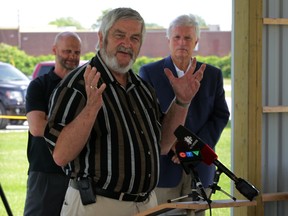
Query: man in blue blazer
[(208, 112)]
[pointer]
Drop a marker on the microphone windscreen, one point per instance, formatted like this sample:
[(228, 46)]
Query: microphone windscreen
[(181, 132), (181, 146), (208, 155), (185, 153), (194, 142)]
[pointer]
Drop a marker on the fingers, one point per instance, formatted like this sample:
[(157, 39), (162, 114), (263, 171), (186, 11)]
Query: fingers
[(190, 73), (191, 69), (101, 88), (91, 77), (175, 159), (199, 73), (169, 74)]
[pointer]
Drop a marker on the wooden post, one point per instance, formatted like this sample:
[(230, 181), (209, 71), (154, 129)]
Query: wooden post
[(247, 96)]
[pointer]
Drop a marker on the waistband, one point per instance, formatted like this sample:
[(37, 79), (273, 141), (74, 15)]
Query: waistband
[(115, 195)]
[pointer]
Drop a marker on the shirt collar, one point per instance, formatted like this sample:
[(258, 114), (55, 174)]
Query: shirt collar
[(179, 72)]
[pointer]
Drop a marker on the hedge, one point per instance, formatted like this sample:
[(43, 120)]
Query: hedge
[(26, 63)]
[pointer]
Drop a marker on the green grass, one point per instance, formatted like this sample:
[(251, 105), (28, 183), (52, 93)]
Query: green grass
[(14, 165), (227, 81), (223, 150)]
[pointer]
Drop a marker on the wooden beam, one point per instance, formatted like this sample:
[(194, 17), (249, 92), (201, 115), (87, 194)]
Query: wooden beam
[(166, 207), (275, 109), (271, 197), (247, 121), (275, 21)]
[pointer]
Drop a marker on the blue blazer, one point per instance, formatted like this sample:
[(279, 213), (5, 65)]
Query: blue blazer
[(207, 116)]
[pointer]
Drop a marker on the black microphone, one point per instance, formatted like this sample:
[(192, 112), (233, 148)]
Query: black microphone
[(193, 143), (189, 159)]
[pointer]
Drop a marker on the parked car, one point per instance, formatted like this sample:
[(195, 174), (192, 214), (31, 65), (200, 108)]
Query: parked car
[(13, 87), (44, 67)]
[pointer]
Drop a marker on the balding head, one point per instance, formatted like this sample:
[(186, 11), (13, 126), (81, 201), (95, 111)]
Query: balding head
[(67, 50)]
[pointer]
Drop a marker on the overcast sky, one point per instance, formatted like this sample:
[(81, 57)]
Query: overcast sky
[(39, 13)]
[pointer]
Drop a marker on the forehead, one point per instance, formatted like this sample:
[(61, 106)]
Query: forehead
[(184, 30), (127, 26), (69, 42)]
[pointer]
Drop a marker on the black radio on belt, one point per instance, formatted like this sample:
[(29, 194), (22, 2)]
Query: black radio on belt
[(86, 191)]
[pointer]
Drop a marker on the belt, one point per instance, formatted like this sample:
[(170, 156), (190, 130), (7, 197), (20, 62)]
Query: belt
[(115, 195)]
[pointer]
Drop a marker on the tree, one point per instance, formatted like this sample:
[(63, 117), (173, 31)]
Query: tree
[(98, 21), (66, 21), (20, 59), (153, 26), (201, 21)]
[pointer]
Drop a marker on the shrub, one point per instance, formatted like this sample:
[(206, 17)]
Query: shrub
[(19, 59), (26, 63)]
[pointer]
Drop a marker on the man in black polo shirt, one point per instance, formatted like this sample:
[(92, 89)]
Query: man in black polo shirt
[(47, 182), (105, 124)]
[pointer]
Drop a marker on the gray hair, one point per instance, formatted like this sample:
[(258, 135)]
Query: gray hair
[(113, 16), (61, 35), (184, 20)]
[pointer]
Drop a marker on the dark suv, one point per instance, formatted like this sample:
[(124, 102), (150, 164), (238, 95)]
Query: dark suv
[(13, 86)]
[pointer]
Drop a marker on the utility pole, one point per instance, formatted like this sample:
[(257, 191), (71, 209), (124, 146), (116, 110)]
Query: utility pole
[(19, 34)]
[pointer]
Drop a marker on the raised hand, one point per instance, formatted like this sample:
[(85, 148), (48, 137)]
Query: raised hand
[(94, 94), (186, 87)]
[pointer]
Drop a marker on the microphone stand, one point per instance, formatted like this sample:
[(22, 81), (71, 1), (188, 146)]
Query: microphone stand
[(194, 194), (196, 186), (244, 187), (215, 186), (199, 185)]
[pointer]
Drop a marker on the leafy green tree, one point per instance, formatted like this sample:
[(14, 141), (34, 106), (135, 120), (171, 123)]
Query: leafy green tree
[(153, 26), (141, 61), (8, 53), (88, 56), (20, 59), (201, 21), (224, 63), (97, 24), (66, 21), (16, 57)]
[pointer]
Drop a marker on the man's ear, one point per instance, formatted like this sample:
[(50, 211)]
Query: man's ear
[(54, 50)]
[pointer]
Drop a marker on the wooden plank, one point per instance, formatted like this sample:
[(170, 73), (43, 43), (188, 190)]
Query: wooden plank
[(247, 124), (275, 21), (196, 206), (271, 197), (192, 205), (275, 109)]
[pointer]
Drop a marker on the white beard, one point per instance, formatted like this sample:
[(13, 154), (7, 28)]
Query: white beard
[(112, 64)]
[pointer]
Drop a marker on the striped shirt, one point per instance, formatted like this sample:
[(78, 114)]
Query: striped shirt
[(122, 152)]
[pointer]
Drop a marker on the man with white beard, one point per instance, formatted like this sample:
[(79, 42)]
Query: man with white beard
[(105, 126)]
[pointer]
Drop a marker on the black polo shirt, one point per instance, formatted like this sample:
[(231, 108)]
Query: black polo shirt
[(37, 98)]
